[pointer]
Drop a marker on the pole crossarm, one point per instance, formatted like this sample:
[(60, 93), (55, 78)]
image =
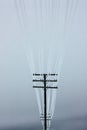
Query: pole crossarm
[(41, 80), (53, 74), (46, 87), (55, 80), (35, 74)]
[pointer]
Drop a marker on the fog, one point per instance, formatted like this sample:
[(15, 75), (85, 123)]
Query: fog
[(21, 30)]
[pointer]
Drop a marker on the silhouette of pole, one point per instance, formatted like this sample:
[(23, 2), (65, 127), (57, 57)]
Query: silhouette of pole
[(45, 104), (44, 80)]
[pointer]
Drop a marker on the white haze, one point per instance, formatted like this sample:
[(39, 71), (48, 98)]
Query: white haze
[(42, 36)]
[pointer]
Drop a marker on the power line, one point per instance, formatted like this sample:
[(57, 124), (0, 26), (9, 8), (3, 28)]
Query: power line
[(18, 13)]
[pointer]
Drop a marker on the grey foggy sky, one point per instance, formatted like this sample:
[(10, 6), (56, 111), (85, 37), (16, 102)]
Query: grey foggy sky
[(17, 32)]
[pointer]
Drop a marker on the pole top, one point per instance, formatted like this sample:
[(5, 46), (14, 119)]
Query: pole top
[(51, 74)]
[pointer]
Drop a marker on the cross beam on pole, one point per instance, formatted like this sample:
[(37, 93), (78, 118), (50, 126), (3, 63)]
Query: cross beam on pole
[(44, 81), (52, 74), (46, 87)]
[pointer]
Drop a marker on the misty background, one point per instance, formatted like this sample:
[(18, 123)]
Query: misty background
[(18, 104)]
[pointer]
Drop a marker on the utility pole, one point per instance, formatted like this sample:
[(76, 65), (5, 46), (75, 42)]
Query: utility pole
[(45, 87)]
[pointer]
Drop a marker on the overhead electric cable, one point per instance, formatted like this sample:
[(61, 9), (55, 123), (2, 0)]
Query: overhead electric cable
[(18, 13), (70, 11), (36, 15), (58, 11), (66, 16), (23, 14), (75, 9)]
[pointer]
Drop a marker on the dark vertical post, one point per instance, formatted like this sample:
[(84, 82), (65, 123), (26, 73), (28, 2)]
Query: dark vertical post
[(45, 80), (45, 123)]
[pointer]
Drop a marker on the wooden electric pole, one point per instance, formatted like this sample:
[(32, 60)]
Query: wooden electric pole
[(45, 87)]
